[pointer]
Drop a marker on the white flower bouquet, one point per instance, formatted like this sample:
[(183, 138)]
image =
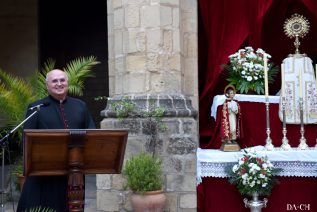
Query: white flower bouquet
[(246, 70), (253, 174)]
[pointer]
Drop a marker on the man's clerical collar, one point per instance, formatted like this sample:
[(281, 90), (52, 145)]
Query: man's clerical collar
[(57, 100)]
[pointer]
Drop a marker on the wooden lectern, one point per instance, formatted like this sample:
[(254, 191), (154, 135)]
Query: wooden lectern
[(74, 153)]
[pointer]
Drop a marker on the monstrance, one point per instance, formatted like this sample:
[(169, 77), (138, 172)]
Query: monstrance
[(296, 26)]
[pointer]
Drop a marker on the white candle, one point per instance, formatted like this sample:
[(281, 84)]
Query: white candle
[(266, 84), (316, 75), (300, 84), (283, 80)]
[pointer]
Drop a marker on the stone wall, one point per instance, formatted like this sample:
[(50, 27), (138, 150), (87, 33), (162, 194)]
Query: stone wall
[(176, 146)]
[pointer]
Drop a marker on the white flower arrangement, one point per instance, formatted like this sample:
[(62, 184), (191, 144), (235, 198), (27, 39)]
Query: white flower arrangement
[(253, 174), (246, 70)]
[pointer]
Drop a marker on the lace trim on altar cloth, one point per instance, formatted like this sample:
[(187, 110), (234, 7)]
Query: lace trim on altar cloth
[(290, 169)]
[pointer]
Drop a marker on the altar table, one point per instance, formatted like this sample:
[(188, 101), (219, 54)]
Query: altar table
[(297, 182), (253, 111)]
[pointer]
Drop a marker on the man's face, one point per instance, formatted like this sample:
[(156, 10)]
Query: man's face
[(57, 84)]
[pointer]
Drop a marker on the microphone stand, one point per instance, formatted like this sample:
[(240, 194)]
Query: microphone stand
[(2, 143)]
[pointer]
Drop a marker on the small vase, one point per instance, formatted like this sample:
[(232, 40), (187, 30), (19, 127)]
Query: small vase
[(21, 181), (255, 204)]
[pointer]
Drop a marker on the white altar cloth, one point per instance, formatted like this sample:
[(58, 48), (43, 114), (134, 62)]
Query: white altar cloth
[(295, 163), (219, 100)]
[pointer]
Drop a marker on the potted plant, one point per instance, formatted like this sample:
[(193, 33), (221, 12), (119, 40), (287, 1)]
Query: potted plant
[(246, 70), (18, 172), (143, 174)]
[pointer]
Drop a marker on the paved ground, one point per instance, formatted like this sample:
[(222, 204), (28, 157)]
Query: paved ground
[(90, 196)]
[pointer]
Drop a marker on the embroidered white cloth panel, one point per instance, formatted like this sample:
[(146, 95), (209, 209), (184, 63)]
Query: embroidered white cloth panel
[(299, 82)]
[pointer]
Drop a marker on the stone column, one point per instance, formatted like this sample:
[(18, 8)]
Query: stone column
[(153, 63), (152, 47)]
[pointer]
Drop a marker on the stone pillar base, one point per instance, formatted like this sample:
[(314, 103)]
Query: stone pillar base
[(176, 143)]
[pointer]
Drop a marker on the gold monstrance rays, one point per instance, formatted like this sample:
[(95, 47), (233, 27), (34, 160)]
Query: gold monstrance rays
[(296, 26)]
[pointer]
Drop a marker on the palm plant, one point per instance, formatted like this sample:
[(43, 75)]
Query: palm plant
[(15, 93)]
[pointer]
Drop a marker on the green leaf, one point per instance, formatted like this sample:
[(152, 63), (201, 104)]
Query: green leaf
[(77, 70)]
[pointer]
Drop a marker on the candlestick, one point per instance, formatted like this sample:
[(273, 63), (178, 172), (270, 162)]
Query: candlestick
[(268, 141), (302, 141), (285, 145), (300, 84), (266, 84), (283, 80)]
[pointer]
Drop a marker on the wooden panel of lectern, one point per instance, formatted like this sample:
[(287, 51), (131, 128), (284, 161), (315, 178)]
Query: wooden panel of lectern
[(74, 153)]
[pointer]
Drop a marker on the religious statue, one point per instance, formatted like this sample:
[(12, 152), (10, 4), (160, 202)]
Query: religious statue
[(230, 121)]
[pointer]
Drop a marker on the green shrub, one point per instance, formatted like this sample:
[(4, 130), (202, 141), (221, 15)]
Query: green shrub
[(143, 173)]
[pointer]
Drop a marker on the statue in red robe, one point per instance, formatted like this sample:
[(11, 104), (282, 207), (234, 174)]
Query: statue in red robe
[(231, 117)]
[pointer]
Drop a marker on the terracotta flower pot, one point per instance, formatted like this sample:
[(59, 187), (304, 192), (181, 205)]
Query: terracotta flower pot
[(152, 201), (21, 181)]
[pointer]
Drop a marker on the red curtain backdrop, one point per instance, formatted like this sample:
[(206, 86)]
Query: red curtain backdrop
[(218, 195), (228, 25)]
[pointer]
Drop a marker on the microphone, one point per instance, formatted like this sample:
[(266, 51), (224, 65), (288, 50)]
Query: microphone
[(37, 107)]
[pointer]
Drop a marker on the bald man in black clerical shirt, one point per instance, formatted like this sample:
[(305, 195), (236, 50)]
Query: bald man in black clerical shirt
[(58, 111)]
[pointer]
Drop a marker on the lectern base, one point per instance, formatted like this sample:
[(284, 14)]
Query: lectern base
[(230, 147)]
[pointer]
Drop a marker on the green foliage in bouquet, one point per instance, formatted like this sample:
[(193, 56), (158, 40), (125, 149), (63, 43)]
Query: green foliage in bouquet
[(246, 70), (253, 174)]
